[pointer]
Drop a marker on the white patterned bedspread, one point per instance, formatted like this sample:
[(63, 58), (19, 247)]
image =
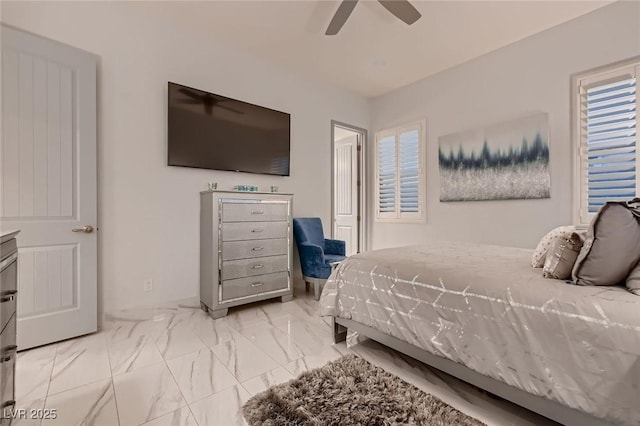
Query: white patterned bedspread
[(485, 307)]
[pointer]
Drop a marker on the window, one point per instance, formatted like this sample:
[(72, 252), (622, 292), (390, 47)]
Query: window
[(400, 173), (606, 124)]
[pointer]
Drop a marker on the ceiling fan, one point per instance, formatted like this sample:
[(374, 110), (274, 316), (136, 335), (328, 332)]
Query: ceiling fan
[(401, 9), (208, 100)]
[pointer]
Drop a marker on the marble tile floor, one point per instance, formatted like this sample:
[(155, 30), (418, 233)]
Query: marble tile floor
[(173, 365)]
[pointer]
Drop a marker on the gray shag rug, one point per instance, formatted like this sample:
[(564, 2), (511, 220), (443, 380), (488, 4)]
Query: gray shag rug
[(350, 391)]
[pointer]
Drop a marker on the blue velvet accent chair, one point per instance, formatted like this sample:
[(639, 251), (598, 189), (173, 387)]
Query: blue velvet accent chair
[(316, 252)]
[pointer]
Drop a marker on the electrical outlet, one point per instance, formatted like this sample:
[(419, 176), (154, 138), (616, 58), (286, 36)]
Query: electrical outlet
[(147, 285)]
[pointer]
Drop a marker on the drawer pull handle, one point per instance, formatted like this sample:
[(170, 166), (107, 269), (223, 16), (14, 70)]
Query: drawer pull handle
[(257, 248), (257, 212), (9, 298), (257, 230), (257, 284), (258, 266)]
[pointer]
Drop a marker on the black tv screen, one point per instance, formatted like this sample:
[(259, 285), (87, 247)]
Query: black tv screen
[(210, 131)]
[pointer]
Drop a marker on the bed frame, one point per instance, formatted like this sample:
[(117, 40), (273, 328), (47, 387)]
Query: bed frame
[(546, 407)]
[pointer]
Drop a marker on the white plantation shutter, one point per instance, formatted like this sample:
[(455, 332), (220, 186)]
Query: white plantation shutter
[(608, 145), (387, 174), (409, 150), (400, 173)]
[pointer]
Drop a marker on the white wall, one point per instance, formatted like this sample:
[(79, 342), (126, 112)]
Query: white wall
[(530, 75), (149, 212)]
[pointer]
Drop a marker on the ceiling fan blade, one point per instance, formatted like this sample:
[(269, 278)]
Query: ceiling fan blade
[(190, 94), (341, 16), (402, 9), (190, 101)]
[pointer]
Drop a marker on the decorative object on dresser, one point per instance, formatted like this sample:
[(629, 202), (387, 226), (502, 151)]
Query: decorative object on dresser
[(8, 348), (245, 249), (246, 188)]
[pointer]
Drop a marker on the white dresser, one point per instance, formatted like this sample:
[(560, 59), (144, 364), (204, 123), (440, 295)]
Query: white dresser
[(8, 348), (245, 249)]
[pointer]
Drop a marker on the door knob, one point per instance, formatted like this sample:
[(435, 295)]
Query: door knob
[(87, 229)]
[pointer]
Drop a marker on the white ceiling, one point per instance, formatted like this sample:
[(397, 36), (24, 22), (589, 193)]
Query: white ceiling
[(375, 52)]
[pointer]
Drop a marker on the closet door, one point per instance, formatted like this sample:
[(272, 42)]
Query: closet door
[(48, 184)]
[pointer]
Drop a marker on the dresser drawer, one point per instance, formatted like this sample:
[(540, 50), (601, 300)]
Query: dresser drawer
[(8, 278), (7, 365), (7, 248), (253, 230), (257, 266), (232, 250), (254, 212), (248, 286), (7, 386)]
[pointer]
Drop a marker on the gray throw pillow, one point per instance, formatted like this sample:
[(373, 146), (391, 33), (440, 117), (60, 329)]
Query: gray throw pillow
[(562, 256), (611, 249), (547, 242), (633, 280)]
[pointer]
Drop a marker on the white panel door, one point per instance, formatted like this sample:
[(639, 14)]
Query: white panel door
[(48, 187), (345, 193)]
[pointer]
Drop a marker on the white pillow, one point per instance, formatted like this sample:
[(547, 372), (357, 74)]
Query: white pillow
[(547, 242)]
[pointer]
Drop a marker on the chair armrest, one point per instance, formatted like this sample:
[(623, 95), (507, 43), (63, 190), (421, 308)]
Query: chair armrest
[(312, 261), (311, 251), (337, 247)]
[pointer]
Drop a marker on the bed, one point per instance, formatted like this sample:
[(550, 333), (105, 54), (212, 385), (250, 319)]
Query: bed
[(482, 314)]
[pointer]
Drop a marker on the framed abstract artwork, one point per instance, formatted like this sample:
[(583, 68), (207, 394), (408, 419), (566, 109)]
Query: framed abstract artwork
[(504, 161)]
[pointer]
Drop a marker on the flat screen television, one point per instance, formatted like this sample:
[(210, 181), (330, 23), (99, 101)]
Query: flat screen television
[(209, 131)]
